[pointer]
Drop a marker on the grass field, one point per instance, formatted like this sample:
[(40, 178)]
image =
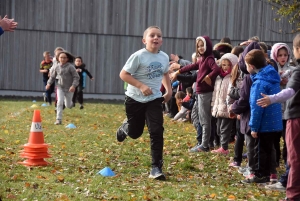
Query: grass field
[(79, 154)]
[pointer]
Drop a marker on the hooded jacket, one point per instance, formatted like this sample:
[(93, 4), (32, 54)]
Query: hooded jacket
[(65, 74), (83, 69), (221, 90), (281, 69), (267, 119), (206, 66), (242, 106)]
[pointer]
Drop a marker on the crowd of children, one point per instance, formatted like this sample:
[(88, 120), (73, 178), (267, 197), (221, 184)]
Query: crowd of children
[(231, 97), (68, 74)]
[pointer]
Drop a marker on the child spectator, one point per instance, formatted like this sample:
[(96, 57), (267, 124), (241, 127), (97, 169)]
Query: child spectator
[(78, 93), (144, 72), (220, 110), (281, 54), (242, 107), (237, 50), (292, 95), (45, 66), (206, 76), (183, 111), (67, 81), (264, 123)]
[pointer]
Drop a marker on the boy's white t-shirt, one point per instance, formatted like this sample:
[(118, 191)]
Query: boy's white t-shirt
[(149, 69)]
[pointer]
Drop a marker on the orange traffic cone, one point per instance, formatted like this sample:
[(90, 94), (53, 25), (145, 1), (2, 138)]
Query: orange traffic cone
[(35, 150)]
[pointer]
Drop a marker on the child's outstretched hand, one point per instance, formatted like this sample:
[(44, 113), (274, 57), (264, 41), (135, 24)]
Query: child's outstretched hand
[(92, 78), (47, 86), (264, 102), (146, 90), (207, 80), (72, 89)]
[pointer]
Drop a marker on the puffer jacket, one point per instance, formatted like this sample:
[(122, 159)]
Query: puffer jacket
[(219, 97)]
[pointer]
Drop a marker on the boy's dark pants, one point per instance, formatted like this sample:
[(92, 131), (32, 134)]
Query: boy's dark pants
[(49, 91), (151, 112), (264, 149), (293, 155), (78, 93)]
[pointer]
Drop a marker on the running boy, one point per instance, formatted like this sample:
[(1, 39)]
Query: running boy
[(45, 66), (144, 72)]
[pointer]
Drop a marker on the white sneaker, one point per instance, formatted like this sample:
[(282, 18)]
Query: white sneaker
[(277, 186)]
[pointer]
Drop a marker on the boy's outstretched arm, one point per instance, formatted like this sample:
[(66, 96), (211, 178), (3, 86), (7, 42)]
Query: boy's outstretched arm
[(167, 84), (127, 77)]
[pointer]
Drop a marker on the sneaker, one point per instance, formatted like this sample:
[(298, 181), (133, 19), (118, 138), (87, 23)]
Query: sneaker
[(247, 173), (199, 148), (235, 164), (241, 170), (220, 151), (121, 134), (249, 176), (45, 97), (57, 122), (255, 179), (277, 186), (170, 115), (245, 155), (273, 177), (81, 107), (156, 173)]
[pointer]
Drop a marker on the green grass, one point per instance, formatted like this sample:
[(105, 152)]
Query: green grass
[(78, 154)]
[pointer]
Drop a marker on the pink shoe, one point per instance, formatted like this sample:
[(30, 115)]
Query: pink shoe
[(220, 151), (273, 177)]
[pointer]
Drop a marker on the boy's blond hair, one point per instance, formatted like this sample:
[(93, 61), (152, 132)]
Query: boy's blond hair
[(151, 27)]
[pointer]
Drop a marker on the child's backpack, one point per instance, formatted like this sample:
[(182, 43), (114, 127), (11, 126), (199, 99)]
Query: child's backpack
[(83, 79)]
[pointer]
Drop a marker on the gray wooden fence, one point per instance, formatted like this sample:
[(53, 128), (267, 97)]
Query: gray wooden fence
[(106, 32)]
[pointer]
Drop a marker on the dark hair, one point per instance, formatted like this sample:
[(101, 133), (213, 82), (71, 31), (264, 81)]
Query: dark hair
[(71, 58), (256, 58), (79, 57), (263, 46), (225, 40), (216, 54), (189, 90), (296, 41), (180, 95), (235, 73), (237, 50)]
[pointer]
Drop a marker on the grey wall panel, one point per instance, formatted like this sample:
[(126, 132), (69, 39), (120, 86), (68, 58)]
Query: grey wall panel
[(106, 32)]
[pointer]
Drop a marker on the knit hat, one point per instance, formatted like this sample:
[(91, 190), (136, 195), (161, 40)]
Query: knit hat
[(231, 57), (223, 47)]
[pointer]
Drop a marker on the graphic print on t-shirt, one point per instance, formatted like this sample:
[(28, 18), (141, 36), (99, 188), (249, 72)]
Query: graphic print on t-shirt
[(155, 70)]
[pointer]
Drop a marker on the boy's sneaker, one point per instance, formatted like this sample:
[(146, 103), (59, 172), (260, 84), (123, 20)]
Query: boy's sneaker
[(199, 148), (57, 122), (81, 107), (121, 133), (220, 151), (156, 173), (257, 180), (273, 177), (277, 186), (235, 164)]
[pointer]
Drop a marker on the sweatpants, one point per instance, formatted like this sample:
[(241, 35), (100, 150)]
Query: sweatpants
[(224, 127), (293, 156), (78, 94), (63, 97), (239, 144), (204, 108), (151, 112)]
